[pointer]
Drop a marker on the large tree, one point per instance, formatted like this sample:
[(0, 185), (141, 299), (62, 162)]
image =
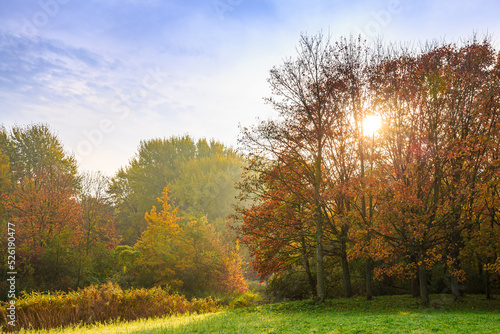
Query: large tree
[(41, 201), (311, 95)]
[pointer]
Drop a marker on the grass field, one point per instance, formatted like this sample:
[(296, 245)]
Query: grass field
[(391, 314)]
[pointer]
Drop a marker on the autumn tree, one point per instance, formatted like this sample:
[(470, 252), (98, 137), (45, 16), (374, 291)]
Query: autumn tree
[(50, 228), (163, 250), (315, 96), (276, 226), (42, 204), (216, 264)]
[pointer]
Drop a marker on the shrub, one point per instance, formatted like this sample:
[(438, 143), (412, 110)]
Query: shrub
[(245, 300)]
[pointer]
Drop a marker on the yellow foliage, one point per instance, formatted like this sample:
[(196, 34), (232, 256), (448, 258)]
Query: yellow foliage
[(161, 245)]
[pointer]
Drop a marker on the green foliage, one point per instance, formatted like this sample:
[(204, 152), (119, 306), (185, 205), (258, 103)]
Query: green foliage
[(135, 188), (200, 176), (206, 186), (100, 304), (246, 299), (34, 148)]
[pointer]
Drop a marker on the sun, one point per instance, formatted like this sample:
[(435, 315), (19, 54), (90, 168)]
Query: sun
[(371, 124)]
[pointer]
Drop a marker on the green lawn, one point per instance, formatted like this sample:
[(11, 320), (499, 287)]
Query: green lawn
[(394, 314)]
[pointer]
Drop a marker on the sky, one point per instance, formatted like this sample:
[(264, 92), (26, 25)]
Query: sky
[(106, 74)]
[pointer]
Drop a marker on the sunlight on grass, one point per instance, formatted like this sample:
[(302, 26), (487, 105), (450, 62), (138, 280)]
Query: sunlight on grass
[(138, 326)]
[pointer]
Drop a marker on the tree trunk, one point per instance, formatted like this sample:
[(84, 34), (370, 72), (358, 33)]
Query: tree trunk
[(320, 274), (422, 276), (454, 284), (487, 289), (346, 275), (415, 288), (369, 279), (455, 288), (312, 284)]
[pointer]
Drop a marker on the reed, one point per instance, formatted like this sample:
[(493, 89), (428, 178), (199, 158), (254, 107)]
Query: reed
[(99, 304)]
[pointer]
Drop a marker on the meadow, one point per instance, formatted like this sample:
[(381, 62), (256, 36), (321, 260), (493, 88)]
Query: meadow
[(387, 314)]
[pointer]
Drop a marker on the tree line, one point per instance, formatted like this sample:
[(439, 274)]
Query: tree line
[(319, 199), (420, 197), (160, 221)]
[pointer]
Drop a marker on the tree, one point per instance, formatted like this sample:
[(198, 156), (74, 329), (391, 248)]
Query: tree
[(135, 188), (163, 251), (5, 184), (310, 94), (5, 180), (34, 149), (206, 184), (406, 203), (472, 140), (276, 226), (41, 201), (100, 234), (216, 263), (49, 228)]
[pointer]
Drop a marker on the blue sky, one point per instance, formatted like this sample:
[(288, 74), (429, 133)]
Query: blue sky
[(106, 74)]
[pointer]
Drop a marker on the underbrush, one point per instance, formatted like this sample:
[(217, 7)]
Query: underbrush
[(99, 304)]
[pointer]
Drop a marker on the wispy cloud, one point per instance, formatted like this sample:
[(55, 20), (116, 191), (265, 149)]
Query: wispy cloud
[(159, 68)]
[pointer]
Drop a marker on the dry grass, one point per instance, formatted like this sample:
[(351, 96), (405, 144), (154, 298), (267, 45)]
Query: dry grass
[(99, 304)]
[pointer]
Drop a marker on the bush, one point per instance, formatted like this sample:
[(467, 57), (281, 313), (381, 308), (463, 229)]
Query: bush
[(245, 300), (101, 303), (288, 286)]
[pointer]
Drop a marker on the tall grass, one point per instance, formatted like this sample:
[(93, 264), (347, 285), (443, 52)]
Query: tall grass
[(99, 304)]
